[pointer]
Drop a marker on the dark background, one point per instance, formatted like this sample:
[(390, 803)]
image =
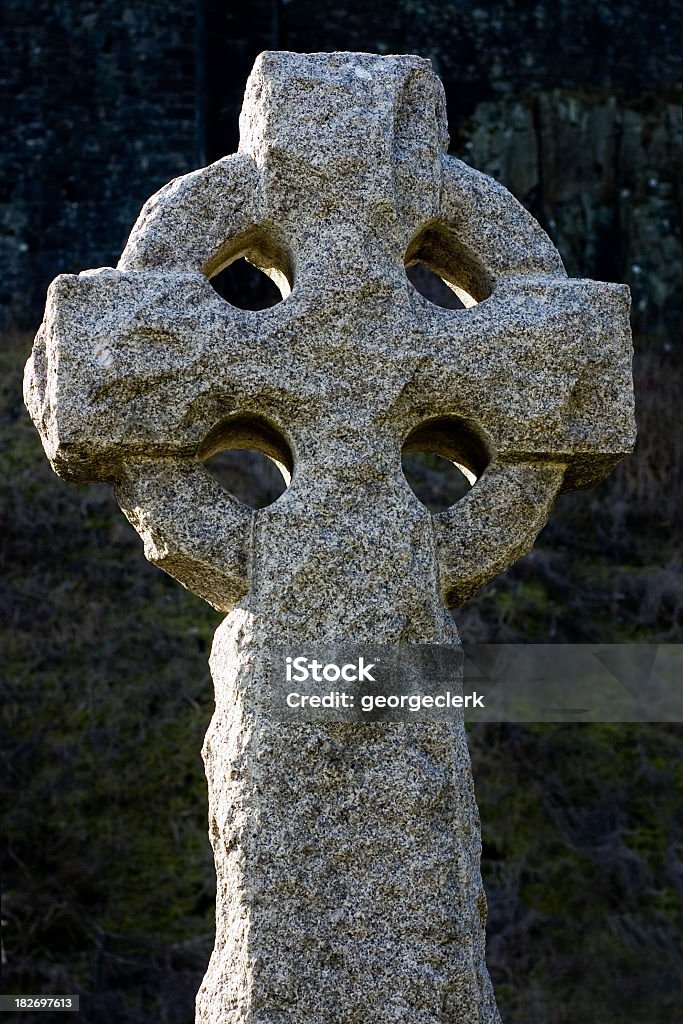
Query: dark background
[(107, 880)]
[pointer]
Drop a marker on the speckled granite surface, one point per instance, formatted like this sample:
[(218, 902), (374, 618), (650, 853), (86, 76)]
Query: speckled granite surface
[(347, 857)]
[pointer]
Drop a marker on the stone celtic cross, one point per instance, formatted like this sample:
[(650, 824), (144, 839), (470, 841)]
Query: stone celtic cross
[(347, 856)]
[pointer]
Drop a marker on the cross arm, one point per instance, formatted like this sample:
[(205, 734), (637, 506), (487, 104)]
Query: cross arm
[(125, 384), (542, 368), (539, 375), (537, 370), (125, 364)]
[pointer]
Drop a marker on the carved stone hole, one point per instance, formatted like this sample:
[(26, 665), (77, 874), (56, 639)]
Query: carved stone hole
[(347, 856)]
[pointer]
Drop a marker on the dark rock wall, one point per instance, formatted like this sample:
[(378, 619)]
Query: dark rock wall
[(575, 107), (101, 107), (601, 172), (498, 47)]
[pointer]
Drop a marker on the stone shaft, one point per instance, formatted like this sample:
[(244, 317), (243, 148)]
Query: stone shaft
[(347, 860)]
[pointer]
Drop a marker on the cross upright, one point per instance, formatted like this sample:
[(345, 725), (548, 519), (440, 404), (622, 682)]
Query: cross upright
[(347, 856)]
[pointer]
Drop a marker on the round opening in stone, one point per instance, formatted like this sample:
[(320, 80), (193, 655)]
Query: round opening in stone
[(245, 286), (249, 458), (251, 271), (442, 459), (436, 481), (433, 287), (438, 263)]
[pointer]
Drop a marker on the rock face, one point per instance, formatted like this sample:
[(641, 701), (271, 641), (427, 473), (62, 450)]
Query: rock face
[(347, 856), (603, 177), (106, 104)]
